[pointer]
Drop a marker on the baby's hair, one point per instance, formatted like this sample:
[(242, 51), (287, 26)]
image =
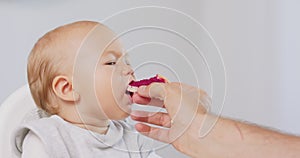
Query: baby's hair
[(44, 62)]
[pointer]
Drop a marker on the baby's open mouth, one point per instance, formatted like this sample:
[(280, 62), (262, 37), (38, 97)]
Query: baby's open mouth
[(129, 93)]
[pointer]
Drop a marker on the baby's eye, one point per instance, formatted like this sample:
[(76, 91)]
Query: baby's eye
[(111, 63)]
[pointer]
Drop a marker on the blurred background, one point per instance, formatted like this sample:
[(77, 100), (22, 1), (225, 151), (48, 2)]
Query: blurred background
[(258, 40)]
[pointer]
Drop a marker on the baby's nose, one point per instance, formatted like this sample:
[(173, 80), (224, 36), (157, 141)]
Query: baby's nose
[(128, 70)]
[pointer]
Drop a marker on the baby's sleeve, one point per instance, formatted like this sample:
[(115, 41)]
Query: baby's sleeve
[(33, 147)]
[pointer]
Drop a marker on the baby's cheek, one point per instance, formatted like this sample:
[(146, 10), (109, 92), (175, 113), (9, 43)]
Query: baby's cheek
[(114, 112)]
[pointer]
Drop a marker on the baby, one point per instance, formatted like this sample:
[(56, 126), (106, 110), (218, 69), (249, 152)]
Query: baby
[(78, 74)]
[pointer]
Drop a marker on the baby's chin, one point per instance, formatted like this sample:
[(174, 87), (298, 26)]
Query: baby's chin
[(121, 116), (126, 111), (121, 113)]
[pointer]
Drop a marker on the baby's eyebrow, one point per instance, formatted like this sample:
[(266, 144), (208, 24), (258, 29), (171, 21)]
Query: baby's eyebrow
[(125, 55), (114, 53)]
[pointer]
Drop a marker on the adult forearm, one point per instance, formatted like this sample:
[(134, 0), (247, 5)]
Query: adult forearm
[(234, 139), (255, 141)]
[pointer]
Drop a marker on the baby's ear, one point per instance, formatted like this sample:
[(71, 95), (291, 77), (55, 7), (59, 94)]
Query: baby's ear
[(63, 88)]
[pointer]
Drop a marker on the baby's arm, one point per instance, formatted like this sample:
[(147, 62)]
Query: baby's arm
[(33, 147)]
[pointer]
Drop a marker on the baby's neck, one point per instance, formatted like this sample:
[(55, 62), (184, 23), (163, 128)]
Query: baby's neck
[(92, 123), (97, 129), (98, 126)]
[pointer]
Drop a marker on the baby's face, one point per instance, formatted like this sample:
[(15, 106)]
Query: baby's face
[(102, 73), (113, 74)]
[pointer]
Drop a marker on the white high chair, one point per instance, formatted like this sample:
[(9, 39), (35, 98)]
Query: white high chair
[(13, 111)]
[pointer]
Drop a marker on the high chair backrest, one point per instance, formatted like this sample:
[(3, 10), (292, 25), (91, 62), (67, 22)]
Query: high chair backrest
[(13, 111)]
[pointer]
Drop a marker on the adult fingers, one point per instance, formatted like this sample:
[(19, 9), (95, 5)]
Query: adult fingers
[(146, 101), (154, 90), (153, 132), (156, 118), (140, 100)]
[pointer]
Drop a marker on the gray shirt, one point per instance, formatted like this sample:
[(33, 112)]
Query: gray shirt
[(64, 140)]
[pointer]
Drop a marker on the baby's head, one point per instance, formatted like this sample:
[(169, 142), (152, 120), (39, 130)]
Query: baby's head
[(79, 70)]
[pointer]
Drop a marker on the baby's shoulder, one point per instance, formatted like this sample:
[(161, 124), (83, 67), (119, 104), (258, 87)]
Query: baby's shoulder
[(40, 128)]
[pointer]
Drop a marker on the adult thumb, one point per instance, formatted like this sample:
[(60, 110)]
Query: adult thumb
[(154, 90)]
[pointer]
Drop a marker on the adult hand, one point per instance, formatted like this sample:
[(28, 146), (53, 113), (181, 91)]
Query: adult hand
[(184, 104), (185, 107)]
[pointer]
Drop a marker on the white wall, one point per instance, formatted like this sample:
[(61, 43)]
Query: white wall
[(290, 54), (258, 39), (246, 34)]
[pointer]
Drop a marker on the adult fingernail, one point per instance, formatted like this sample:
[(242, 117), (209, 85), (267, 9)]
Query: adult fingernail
[(142, 88)]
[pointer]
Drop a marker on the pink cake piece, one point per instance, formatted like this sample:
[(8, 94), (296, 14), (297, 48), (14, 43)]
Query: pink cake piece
[(133, 85)]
